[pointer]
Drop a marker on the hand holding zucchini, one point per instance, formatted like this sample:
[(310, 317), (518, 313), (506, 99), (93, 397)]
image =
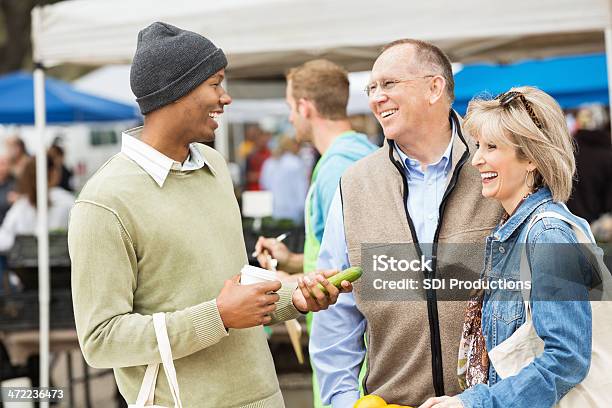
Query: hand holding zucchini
[(350, 274), (305, 300)]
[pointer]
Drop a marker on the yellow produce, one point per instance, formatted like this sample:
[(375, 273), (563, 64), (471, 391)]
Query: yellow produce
[(370, 401), (374, 401)]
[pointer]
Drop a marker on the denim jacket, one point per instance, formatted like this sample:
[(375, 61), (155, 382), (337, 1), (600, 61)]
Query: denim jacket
[(565, 326)]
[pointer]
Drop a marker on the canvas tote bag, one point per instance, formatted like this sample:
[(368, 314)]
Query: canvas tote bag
[(147, 389), (520, 349)]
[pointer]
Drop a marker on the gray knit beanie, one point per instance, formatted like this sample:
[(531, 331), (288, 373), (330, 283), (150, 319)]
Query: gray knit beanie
[(170, 62)]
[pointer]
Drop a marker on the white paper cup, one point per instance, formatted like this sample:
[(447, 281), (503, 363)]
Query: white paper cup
[(252, 274)]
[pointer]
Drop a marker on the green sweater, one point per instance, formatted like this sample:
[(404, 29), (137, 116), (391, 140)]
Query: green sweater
[(137, 249)]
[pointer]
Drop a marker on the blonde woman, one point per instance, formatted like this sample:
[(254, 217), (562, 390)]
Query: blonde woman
[(525, 157)]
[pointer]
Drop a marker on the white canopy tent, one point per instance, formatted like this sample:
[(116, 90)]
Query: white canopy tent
[(263, 38)]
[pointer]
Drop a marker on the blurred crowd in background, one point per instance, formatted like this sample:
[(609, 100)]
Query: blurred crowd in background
[(268, 158), (18, 198), (592, 193)]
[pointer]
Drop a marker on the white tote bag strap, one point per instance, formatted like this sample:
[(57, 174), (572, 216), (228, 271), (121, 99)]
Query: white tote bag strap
[(588, 241), (516, 352), (146, 395), (147, 389), (581, 236), (161, 332), (526, 269)]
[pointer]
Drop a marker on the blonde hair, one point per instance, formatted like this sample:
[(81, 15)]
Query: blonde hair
[(548, 146), (285, 144), (325, 84)]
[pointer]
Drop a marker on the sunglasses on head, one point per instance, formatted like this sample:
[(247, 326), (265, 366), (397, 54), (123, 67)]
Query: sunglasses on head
[(505, 99)]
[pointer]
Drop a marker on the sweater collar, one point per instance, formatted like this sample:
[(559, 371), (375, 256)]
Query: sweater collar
[(155, 163)]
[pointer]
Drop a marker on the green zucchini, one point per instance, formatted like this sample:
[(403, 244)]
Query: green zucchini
[(350, 274)]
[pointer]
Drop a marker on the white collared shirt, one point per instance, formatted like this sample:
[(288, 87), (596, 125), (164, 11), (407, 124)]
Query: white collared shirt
[(155, 163)]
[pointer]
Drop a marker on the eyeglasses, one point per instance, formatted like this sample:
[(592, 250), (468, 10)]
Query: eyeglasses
[(506, 99), (388, 84)]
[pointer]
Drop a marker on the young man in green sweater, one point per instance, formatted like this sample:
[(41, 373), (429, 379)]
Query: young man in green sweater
[(158, 229)]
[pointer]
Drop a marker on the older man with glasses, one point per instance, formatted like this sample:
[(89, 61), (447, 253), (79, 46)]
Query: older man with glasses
[(418, 189)]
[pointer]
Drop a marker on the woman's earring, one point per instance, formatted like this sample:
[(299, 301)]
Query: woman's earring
[(531, 185)]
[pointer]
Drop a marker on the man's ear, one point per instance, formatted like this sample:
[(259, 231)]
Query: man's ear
[(305, 108), (437, 89)]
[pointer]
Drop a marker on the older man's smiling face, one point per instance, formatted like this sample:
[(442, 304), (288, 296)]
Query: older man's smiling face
[(399, 110)]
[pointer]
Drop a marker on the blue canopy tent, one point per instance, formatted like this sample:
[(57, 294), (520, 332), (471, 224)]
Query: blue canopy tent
[(572, 81), (64, 103)]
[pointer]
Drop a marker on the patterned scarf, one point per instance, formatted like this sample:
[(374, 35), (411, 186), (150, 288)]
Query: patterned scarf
[(473, 360)]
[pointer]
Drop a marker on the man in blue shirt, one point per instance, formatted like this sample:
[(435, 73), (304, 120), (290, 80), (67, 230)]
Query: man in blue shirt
[(416, 190), (285, 175), (317, 94)]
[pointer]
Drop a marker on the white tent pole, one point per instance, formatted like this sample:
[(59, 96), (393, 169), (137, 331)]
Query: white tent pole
[(222, 133), (43, 229), (222, 137)]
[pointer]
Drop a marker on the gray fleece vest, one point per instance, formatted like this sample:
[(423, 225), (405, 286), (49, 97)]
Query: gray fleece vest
[(412, 346)]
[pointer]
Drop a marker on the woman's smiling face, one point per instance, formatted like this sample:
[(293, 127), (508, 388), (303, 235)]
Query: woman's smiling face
[(502, 173)]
